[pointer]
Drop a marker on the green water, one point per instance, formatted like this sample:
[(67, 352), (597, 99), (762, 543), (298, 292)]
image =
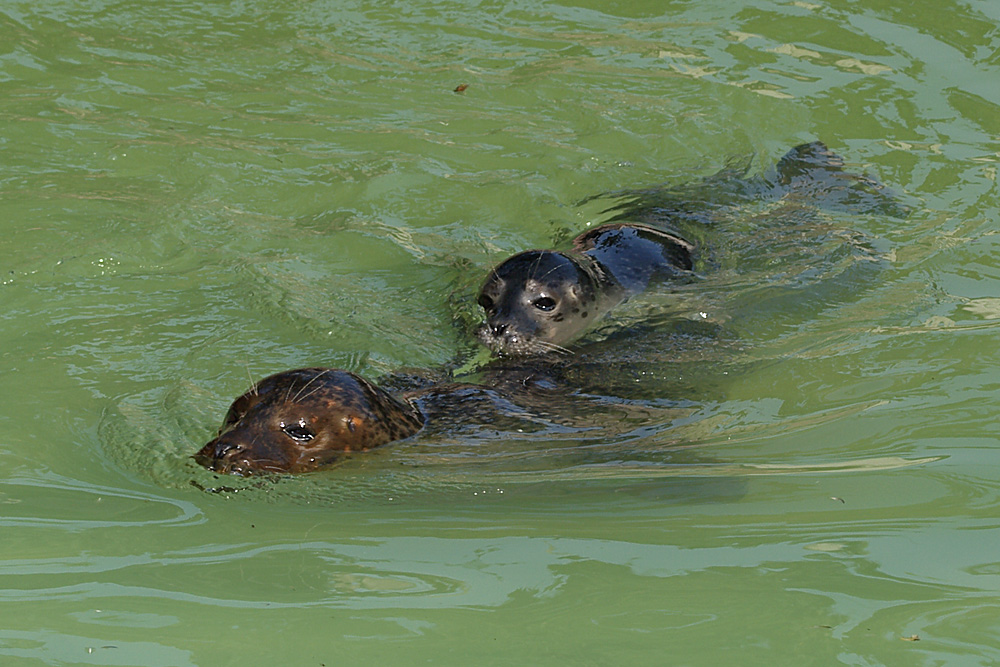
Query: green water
[(194, 194)]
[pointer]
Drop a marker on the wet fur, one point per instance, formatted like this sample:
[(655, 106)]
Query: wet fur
[(343, 412), (605, 266), (621, 258)]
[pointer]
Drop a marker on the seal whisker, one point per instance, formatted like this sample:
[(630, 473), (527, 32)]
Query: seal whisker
[(298, 395), (547, 346), (538, 260), (491, 256), (253, 384), (495, 265), (555, 267)]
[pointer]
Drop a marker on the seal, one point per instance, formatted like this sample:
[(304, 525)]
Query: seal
[(302, 420), (306, 419), (539, 300)]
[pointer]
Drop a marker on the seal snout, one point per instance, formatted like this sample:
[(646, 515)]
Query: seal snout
[(217, 453), (223, 448), (500, 337)]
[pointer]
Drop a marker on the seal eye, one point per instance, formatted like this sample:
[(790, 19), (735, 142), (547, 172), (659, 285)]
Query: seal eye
[(545, 303), (485, 302), (298, 431)]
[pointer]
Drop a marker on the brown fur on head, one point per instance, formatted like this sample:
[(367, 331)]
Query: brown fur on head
[(300, 420)]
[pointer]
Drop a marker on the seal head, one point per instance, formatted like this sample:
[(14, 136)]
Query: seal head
[(538, 300), (301, 420)]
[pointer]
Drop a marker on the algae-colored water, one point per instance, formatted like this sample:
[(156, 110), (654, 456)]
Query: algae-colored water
[(194, 194)]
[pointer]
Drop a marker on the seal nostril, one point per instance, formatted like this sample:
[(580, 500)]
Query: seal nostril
[(216, 453), (223, 448), (498, 329)]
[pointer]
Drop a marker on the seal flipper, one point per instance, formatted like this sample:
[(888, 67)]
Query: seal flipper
[(814, 173), (805, 160)]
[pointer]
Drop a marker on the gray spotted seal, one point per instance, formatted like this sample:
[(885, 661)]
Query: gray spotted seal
[(539, 300)]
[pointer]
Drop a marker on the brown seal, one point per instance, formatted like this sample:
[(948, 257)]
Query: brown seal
[(540, 300), (301, 420)]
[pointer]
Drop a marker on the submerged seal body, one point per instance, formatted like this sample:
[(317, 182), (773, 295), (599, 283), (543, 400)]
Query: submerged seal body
[(301, 420), (540, 300), (536, 301)]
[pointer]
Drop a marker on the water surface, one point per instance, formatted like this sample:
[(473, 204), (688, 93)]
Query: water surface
[(195, 194)]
